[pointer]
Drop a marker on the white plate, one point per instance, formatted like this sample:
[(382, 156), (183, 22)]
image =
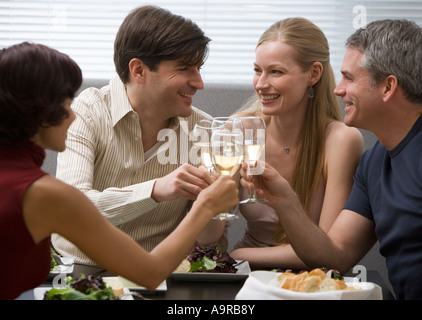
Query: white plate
[(264, 285), (40, 291), (242, 273), (133, 286), (61, 268)]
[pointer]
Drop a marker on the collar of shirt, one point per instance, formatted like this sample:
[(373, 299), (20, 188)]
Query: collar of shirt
[(118, 100), (121, 105)]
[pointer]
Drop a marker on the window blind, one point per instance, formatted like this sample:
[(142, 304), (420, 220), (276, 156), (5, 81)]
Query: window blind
[(85, 30)]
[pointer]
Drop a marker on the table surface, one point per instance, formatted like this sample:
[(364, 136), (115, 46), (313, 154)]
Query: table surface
[(199, 290)]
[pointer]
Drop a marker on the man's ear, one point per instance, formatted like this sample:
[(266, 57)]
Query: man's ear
[(315, 73), (137, 70), (390, 85)]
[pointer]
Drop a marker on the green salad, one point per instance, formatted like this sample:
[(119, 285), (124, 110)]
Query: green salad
[(85, 288), (209, 259)]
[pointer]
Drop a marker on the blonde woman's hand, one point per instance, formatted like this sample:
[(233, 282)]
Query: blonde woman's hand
[(269, 185)]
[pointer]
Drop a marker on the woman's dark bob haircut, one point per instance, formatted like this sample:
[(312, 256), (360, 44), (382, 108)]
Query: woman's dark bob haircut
[(34, 82)]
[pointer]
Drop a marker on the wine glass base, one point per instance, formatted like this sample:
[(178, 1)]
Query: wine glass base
[(253, 200), (226, 217)]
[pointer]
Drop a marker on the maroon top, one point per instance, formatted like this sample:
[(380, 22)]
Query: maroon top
[(23, 264)]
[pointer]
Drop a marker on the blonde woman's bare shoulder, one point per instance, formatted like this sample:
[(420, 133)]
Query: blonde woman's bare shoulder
[(343, 141), (340, 133)]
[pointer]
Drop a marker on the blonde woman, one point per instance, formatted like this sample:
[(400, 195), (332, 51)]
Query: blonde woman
[(306, 142)]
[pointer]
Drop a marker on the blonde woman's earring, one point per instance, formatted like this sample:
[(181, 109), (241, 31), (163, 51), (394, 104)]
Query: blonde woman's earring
[(311, 93)]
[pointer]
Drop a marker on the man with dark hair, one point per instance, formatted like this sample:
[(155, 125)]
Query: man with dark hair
[(381, 88), (128, 149)]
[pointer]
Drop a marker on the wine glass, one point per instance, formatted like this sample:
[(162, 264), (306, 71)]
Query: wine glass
[(223, 123), (201, 134), (254, 145), (226, 152)]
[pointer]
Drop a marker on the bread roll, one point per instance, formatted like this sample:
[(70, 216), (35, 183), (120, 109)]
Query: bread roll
[(328, 285), (314, 281), (341, 284), (295, 283), (285, 279), (115, 284), (309, 284), (318, 272), (183, 267)]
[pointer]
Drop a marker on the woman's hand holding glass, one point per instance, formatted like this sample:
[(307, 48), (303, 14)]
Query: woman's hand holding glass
[(273, 186)]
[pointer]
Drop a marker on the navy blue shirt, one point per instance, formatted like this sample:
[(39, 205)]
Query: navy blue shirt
[(388, 190)]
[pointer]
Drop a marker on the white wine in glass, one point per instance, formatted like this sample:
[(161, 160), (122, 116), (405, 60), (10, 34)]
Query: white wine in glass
[(202, 135), (227, 156), (253, 151), (254, 143)]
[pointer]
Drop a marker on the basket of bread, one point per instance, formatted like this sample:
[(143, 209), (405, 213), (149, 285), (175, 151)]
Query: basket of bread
[(316, 284), (316, 280)]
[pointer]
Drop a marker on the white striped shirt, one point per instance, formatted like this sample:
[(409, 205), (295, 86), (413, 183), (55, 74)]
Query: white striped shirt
[(104, 158)]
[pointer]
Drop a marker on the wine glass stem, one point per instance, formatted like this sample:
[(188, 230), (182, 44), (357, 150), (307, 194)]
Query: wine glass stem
[(251, 190), (252, 193)]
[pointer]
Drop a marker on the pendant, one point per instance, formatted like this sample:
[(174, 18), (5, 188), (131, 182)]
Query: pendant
[(287, 150)]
